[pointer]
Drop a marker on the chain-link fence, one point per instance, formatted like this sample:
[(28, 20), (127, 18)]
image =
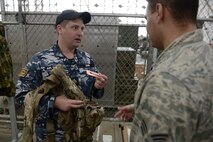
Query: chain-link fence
[(205, 16), (112, 46), (112, 38)]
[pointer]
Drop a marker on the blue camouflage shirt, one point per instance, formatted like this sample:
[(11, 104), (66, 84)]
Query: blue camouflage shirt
[(39, 68)]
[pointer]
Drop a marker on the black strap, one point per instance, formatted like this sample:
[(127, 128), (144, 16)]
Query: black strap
[(51, 106)]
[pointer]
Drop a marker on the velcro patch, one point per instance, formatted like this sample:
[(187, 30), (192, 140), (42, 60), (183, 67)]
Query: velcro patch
[(23, 72)]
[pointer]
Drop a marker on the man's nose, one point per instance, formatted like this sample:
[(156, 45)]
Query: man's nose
[(81, 32)]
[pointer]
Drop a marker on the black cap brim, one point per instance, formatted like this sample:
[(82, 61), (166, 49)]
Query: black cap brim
[(85, 16)]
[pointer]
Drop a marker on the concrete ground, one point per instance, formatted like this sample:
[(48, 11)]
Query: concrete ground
[(5, 135), (107, 132), (5, 138)]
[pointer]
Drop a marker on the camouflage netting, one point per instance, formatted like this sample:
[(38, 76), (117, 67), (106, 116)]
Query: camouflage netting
[(7, 87)]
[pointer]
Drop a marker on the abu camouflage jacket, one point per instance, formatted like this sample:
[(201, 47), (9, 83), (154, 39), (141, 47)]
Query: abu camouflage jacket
[(174, 102), (7, 87), (78, 124)]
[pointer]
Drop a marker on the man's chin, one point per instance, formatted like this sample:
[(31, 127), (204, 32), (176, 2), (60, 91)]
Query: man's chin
[(76, 45)]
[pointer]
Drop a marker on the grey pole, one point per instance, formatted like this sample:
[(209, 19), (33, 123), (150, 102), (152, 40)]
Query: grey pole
[(22, 29), (12, 110)]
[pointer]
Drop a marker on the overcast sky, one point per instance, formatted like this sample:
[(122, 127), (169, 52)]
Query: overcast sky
[(137, 7), (105, 6), (96, 6)]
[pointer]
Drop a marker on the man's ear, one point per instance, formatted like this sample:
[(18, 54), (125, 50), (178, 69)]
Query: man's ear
[(58, 28), (159, 9)]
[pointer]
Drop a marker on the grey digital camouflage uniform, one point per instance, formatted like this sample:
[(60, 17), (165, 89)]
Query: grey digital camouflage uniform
[(39, 68), (174, 103)]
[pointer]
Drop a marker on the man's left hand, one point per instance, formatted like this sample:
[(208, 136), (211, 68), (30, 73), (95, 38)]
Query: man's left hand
[(100, 81)]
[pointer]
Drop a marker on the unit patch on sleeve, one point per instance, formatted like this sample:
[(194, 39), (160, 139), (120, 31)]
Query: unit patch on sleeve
[(23, 72)]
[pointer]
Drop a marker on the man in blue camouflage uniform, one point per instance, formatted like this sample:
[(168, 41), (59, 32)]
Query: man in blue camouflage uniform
[(69, 26), (174, 102)]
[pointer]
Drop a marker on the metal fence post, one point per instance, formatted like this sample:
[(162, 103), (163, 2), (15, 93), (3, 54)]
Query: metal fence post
[(12, 112), (24, 53)]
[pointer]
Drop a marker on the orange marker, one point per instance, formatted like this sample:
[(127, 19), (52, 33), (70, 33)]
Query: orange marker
[(92, 73)]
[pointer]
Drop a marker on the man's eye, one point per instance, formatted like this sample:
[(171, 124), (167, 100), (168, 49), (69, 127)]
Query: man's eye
[(75, 27)]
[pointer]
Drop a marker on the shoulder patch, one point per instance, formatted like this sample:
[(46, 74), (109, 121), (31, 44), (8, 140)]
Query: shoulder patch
[(23, 72)]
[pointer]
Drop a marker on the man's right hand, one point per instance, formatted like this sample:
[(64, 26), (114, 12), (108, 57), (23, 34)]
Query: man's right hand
[(65, 104), (125, 113)]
